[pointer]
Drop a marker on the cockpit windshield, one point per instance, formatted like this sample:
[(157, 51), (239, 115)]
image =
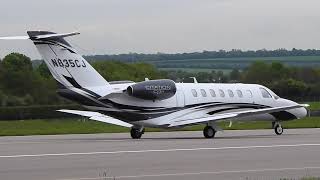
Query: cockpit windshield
[(274, 95)]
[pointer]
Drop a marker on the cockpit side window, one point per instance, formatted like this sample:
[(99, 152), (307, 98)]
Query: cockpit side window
[(265, 93), (275, 96)]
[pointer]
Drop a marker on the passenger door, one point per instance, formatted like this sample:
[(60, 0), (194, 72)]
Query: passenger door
[(180, 98)]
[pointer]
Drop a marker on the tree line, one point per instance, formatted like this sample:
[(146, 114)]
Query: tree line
[(234, 53), (297, 83), (23, 84)]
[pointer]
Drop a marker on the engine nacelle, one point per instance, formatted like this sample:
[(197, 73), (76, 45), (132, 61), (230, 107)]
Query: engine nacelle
[(153, 89)]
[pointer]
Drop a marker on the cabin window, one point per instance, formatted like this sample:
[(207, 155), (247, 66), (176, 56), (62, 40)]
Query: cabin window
[(265, 93), (239, 93), (194, 93), (213, 94), (203, 93), (221, 93), (230, 93), (249, 93)]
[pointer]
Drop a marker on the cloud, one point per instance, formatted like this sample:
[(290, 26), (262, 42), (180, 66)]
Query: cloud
[(149, 26)]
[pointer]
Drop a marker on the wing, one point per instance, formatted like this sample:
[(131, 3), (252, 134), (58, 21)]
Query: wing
[(234, 115), (98, 117)]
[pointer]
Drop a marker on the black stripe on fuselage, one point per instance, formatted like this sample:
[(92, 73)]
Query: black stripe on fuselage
[(129, 116)]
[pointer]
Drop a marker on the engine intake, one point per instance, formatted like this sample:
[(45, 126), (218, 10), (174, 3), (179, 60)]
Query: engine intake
[(153, 89)]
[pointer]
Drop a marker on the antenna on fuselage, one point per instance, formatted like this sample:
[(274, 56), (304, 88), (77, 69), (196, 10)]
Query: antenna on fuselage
[(194, 79)]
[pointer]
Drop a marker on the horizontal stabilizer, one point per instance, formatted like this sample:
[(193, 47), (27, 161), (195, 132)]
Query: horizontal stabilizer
[(14, 38), (38, 37), (98, 117), (49, 36), (237, 114)]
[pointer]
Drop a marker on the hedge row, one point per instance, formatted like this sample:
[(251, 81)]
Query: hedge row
[(35, 112)]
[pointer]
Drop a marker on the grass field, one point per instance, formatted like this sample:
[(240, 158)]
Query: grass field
[(314, 105), (236, 63), (83, 126), (196, 70)]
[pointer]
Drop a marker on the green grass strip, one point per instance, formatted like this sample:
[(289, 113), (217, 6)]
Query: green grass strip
[(84, 126)]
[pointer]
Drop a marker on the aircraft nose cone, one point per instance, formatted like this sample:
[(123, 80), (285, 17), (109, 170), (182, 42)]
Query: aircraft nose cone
[(298, 112), (301, 112)]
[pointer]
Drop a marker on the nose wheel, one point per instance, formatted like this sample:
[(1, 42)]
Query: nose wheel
[(136, 133), (209, 132), (278, 129)]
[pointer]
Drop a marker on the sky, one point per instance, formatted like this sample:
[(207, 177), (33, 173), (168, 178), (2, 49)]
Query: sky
[(167, 26)]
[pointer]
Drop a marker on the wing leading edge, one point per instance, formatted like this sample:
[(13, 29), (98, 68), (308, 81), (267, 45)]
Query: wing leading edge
[(98, 117), (235, 115)]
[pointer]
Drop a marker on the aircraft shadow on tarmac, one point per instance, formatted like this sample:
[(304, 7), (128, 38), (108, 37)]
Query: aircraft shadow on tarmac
[(219, 137), (112, 139)]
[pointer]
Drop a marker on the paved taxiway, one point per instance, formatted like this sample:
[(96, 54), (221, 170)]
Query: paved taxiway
[(257, 154)]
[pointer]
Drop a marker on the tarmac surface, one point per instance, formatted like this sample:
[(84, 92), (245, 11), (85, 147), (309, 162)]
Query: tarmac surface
[(254, 154)]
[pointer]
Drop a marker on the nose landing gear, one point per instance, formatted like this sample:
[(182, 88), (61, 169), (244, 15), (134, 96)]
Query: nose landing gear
[(277, 128)]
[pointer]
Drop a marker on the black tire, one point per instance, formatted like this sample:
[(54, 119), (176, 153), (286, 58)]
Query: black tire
[(135, 134), (278, 129), (209, 132)]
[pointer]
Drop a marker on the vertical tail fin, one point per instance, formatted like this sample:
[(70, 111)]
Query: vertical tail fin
[(68, 67)]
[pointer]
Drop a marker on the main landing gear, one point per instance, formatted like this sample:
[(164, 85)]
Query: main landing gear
[(278, 129), (209, 132), (136, 133)]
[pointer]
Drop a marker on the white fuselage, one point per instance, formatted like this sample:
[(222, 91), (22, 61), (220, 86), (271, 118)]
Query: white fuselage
[(196, 100)]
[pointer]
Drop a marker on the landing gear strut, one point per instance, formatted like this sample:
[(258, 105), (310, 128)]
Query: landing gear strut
[(277, 128), (136, 133), (209, 132)]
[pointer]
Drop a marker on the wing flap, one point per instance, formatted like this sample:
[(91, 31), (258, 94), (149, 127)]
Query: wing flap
[(98, 117), (200, 120), (234, 115)]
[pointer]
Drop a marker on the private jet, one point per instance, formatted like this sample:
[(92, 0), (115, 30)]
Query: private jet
[(158, 103)]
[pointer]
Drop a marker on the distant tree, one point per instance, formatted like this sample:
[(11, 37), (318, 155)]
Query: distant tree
[(113, 71), (43, 70), (258, 72), (21, 85), (17, 74), (134, 57), (16, 62), (290, 88), (235, 75)]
